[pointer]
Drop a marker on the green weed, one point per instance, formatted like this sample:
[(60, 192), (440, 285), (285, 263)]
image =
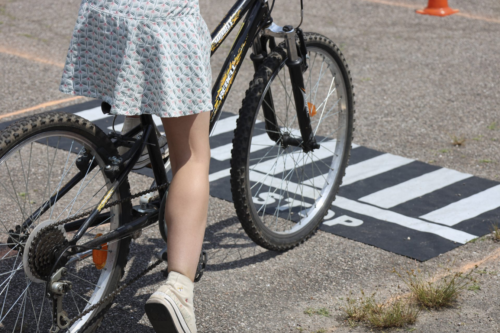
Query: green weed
[(320, 312), (495, 232), (398, 313), (433, 293)]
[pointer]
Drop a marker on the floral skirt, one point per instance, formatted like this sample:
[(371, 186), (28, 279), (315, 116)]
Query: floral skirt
[(141, 57)]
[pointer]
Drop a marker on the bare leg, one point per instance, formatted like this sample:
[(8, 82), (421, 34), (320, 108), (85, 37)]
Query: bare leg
[(187, 200)]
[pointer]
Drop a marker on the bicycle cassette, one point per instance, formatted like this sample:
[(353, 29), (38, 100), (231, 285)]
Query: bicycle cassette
[(39, 252)]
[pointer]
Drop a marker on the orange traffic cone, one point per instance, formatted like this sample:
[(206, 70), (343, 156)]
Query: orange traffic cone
[(438, 8)]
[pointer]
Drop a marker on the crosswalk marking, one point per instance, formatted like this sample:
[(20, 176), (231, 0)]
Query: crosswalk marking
[(363, 209), (402, 220), (92, 114), (288, 161), (373, 167), (118, 127), (363, 170), (475, 212), (259, 142), (414, 188), (466, 208)]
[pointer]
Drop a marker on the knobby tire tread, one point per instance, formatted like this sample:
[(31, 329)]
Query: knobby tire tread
[(243, 131), (50, 121)]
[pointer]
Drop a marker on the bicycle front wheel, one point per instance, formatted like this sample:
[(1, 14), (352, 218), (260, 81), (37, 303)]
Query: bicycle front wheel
[(39, 157), (282, 193)]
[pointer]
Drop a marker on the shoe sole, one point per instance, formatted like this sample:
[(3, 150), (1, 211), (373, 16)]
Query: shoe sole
[(164, 315)]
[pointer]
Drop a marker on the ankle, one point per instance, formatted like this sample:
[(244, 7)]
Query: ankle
[(176, 277)]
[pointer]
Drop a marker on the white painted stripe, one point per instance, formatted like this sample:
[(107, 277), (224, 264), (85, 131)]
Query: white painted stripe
[(372, 167), (404, 221), (219, 174), (226, 125), (378, 213), (414, 188), (259, 142), (288, 161), (92, 114), (265, 166), (466, 208), (118, 127), (363, 170)]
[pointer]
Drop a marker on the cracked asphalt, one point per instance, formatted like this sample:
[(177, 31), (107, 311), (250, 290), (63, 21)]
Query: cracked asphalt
[(421, 83)]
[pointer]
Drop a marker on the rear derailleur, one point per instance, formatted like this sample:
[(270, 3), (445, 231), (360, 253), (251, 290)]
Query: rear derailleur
[(57, 288)]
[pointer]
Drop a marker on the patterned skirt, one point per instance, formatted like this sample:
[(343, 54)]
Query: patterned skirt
[(141, 57)]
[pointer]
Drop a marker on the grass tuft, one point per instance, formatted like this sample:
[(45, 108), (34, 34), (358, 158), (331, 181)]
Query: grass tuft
[(495, 232), (320, 312), (399, 313), (457, 142), (433, 293)]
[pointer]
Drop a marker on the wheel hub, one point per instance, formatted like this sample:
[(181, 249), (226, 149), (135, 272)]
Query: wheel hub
[(39, 253)]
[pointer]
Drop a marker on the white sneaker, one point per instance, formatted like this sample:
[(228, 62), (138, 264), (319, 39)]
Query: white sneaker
[(144, 159), (170, 309)]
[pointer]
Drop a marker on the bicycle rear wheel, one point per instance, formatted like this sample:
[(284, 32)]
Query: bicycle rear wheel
[(281, 193), (38, 156)]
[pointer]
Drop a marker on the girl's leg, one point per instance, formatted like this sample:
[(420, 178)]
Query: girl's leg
[(187, 200)]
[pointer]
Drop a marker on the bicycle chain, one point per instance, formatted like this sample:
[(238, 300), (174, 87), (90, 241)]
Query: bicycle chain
[(125, 285)]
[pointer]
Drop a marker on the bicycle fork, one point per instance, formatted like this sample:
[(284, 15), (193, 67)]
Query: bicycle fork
[(296, 63)]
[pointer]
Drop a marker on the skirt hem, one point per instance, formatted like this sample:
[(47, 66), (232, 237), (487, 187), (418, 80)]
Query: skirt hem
[(199, 108)]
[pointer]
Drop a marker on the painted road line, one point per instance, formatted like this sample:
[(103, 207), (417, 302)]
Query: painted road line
[(118, 127), (291, 160), (40, 106), (363, 170), (373, 167), (402, 220), (226, 125), (466, 208), (259, 142), (375, 212), (92, 114), (414, 188)]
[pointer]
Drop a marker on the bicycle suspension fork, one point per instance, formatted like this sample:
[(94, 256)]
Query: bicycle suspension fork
[(296, 64)]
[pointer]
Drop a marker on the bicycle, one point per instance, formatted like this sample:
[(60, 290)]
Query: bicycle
[(71, 220)]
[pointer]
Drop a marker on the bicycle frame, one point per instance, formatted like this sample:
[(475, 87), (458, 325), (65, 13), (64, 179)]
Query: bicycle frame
[(257, 11), (251, 34)]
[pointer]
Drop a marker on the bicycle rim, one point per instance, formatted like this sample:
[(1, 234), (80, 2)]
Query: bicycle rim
[(30, 173), (291, 190)]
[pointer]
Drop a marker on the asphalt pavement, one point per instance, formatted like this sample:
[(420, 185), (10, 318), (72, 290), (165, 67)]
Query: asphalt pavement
[(421, 82)]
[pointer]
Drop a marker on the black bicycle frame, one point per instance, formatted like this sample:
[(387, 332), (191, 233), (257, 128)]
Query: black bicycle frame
[(257, 12), (257, 17)]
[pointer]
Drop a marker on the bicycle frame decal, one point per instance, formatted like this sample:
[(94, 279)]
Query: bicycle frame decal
[(226, 29), (229, 22), (106, 198), (228, 78)]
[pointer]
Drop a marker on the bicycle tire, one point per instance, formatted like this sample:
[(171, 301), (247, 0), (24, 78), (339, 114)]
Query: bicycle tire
[(245, 201), (32, 133)]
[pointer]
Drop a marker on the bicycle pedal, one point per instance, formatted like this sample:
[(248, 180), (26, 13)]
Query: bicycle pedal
[(149, 197), (144, 209), (202, 264), (162, 255)]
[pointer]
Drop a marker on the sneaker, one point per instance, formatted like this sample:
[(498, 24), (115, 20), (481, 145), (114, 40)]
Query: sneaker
[(170, 309), (144, 158)]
